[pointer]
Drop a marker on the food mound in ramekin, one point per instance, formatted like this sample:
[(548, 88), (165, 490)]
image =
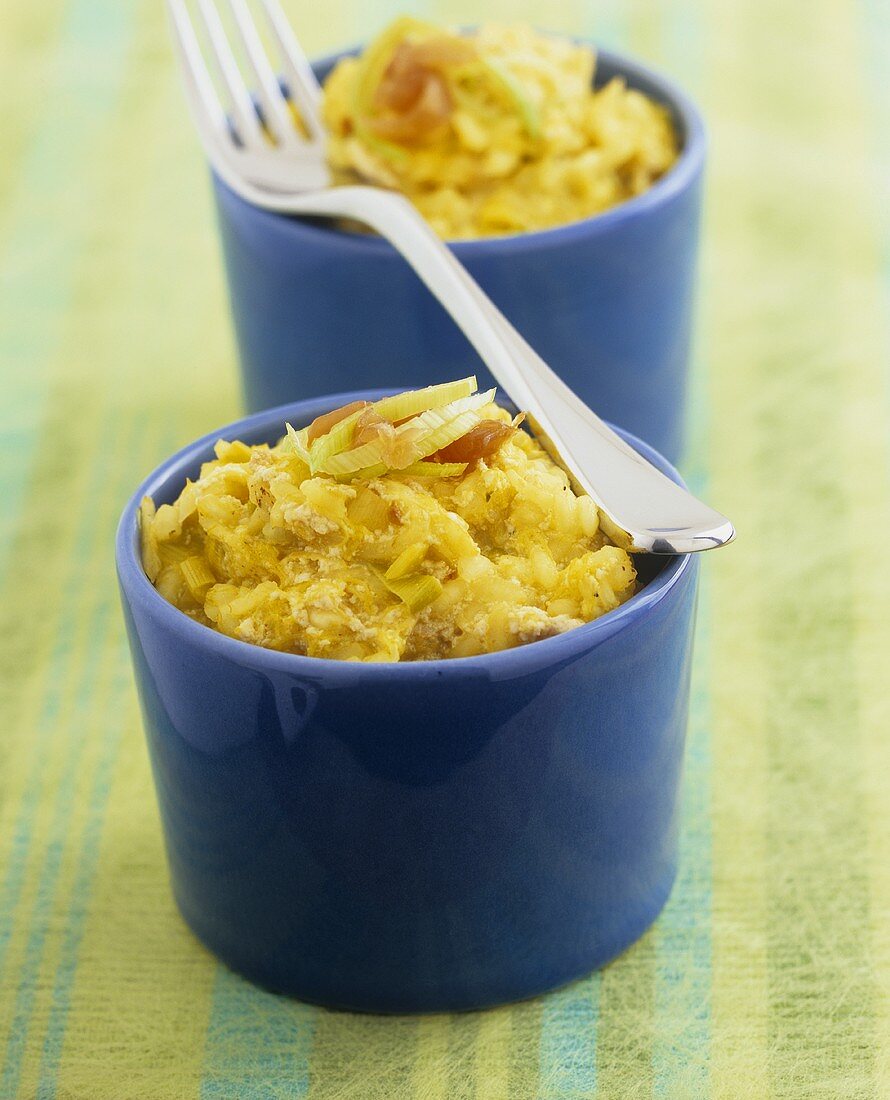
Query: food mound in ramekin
[(494, 132), (420, 526)]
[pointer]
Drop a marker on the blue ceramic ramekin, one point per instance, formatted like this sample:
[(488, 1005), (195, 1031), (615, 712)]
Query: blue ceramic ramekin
[(606, 301), (414, 837)]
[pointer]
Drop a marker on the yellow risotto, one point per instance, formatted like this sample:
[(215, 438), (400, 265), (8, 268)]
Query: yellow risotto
[(424, 525), (495, 132)]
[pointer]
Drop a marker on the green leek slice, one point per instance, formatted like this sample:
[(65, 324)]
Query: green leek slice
[(334, 441), (397, 407), (436, 428), (298, 442), (365, 473), (434, 469), (351, 462), (172, 553), (407, 561), (197, 575), (443, 426), (412, 402), (435, 418), (514, 93), (415, 591), (437, 438)]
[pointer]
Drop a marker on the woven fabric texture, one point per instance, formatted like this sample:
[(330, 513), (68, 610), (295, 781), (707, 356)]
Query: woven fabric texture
[(768, 974)]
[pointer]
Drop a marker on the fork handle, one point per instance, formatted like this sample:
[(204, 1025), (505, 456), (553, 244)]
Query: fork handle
[(642, 508)]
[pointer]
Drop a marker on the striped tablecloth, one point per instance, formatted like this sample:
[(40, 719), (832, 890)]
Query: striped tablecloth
[(769, 972)]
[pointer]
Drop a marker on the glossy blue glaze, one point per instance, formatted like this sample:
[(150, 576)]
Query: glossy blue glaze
[(414, 837), (607, 301)]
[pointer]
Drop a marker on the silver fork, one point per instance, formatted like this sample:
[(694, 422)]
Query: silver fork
[(256, 147)]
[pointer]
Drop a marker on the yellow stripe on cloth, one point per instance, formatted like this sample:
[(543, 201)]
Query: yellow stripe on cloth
[(28, 56), (493, 1055), (626, 1011), (142, 988), (430, 1075), (357, 1057), (740, 987)]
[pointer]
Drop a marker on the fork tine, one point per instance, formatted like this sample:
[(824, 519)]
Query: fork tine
[(276, 113), (304, 87), (207, 112), (238, 166), (206, 107), (244, 113)]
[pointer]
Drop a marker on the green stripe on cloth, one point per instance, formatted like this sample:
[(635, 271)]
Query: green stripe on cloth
[(672, 37), (84, 688), (568, 1041), (44, 641), (683, 934), (734, 342), (99, 708), (258, 1045), (684, 948), (36, 263)]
